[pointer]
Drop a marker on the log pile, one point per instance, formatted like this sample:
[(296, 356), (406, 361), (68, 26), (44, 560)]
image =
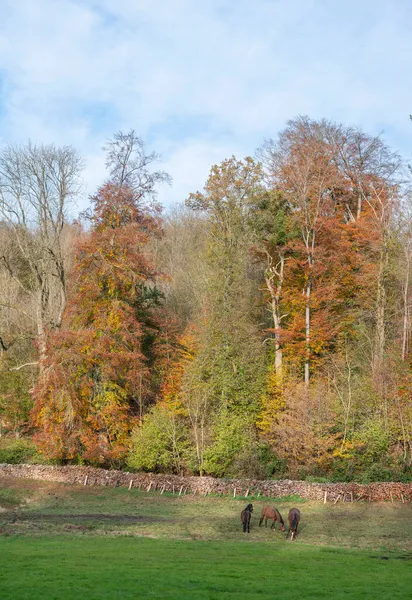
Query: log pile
[(326, 492)]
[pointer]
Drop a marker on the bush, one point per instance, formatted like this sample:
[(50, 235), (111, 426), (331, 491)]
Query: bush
[(160, 443), (376, 472), (273, 466), (18, 451), (371, 442), (234, 451)]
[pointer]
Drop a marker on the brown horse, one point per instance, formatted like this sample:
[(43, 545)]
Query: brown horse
[(245, 517), (272, 514), (294, 518)]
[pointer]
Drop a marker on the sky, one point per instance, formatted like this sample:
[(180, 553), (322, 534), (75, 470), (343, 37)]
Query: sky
[(200, 80)]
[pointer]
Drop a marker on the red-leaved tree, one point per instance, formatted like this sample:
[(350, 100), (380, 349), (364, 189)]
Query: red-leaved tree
[(99, 368)]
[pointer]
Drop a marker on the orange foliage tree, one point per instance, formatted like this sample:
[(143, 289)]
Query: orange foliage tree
[(99, 364)]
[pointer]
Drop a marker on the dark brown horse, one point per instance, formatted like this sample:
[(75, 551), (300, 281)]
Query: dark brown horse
[(245, 517), (294, 518), (272, 514)]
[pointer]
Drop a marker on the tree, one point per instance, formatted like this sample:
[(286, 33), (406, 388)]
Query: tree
[(226, 376), (271, 224), (301, 166), (229, 306), (129, 165), (101, 364), (37, 186)]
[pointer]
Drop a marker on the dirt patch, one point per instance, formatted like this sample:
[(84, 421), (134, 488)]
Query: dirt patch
[(52, 518), (6, 506)]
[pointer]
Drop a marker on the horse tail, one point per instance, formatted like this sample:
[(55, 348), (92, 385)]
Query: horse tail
[(295, 522)]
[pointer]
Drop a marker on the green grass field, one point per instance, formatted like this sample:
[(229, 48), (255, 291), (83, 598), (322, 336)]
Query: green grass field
[(58, 541)]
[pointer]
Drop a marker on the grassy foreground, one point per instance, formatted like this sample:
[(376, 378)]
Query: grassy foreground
[(59, 542), (96, 568)]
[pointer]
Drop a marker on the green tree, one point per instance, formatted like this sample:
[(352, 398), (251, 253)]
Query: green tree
[(227, 373)]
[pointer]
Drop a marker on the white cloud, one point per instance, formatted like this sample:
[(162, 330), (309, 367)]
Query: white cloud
[(199, 80)]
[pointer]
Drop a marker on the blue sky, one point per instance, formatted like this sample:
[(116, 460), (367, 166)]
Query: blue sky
[(200, 80)]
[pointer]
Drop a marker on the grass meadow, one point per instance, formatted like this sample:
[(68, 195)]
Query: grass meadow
[(59, 541)]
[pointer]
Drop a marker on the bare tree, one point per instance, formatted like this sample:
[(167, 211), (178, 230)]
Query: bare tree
[(37, 186), (129, 164), (359, 157)]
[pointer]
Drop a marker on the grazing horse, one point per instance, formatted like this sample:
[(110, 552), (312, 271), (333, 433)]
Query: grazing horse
[(245, 517), (272, 514), (294, 518)]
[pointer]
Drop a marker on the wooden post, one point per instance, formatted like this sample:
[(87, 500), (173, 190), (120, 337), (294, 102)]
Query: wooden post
[(149, 486), (163, 489), (337, 499), (351, 496), (325, 496), (173, 490), (247, 493), (402, 498), (391, 497), (130, 484), (234, 492), (180, 491), (85, 479)]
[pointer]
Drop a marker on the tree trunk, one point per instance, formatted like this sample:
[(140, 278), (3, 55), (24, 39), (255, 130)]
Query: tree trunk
[(275, 294), (405, 306), (307, 333), (359, 207), (380, 312), (308, 291)]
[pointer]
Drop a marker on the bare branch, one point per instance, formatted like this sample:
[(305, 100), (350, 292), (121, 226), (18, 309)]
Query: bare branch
[(30, 364)]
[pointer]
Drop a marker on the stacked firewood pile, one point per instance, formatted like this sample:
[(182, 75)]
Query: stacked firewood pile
[(326, 492)]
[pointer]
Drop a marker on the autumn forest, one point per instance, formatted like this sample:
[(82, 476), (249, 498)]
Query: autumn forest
[(260, 329)]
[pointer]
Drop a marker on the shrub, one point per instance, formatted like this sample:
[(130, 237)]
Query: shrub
[(234, 451), (160, 443), (18, 451)]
